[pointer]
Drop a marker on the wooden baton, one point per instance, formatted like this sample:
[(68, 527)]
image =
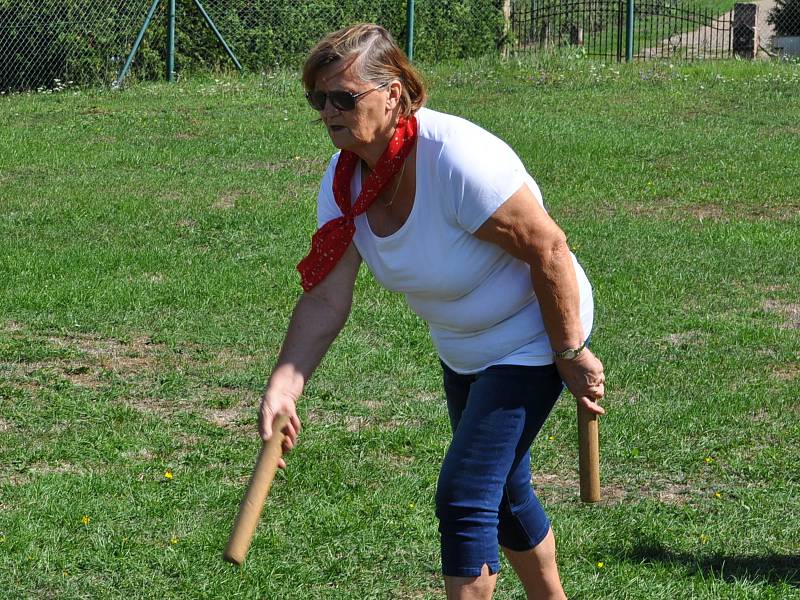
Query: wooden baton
[(588, 455), (256, 494)]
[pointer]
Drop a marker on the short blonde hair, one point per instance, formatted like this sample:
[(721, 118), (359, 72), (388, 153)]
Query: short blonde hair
[(377, 58)]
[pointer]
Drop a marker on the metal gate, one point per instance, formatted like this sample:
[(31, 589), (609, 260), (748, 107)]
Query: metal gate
[(660, 28)]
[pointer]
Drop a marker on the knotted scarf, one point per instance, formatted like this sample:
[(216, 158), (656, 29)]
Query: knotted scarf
[(330, 242)]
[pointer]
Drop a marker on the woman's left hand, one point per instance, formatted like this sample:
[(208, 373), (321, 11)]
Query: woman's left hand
[(585, 379)]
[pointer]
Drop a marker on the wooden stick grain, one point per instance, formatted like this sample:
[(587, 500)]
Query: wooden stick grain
[(253, 501), (588, 455)]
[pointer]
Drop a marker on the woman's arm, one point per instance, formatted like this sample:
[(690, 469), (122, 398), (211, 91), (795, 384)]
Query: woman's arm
[(318, 317), (524, 229)]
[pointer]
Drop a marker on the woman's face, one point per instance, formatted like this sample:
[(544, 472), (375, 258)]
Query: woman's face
[(366, 129)]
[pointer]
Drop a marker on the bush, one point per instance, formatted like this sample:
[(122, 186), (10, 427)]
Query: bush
[(785, 17)]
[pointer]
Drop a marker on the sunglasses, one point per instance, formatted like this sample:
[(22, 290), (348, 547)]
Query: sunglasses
[(340, 99)]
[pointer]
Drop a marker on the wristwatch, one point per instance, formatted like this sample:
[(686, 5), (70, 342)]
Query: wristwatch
[(570, 353)]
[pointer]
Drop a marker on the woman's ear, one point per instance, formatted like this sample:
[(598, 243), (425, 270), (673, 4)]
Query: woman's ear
[(395, 95)]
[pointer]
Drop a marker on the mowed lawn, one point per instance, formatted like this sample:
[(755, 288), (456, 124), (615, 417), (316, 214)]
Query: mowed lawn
[(147, 248)]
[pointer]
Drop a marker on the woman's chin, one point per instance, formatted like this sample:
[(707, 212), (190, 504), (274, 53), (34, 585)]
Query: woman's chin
[(341, 139)]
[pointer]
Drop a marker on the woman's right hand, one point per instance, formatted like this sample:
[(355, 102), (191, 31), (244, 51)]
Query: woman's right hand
[(274, 404)]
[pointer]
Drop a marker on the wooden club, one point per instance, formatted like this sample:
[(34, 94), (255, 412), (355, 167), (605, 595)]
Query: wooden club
[(253, 501), (588, 455)]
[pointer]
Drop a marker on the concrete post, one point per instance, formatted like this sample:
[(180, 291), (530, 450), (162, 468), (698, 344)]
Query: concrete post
[(506, 27)]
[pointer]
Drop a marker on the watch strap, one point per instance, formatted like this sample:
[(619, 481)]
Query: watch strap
[(570, 353)]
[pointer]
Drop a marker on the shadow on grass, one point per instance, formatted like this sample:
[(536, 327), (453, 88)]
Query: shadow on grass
[(770, 568)]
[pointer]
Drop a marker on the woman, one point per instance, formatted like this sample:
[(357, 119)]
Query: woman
[(445, 213)]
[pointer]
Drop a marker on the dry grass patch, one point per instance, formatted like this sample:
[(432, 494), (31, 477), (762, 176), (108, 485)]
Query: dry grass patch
[(668, 209), (565, 488), (59, 468), (686, 338), (141, 454), (237, 418), (227, 200), (789, 372), (96, 358), (790, 311)]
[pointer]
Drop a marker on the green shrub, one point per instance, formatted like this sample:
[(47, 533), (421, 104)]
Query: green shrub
[(785, 17)]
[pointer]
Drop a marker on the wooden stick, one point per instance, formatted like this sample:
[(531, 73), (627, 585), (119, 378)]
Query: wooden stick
[(588, 455), (253, 501)]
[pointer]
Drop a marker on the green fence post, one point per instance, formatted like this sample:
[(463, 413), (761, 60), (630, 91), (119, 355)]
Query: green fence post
[(410, 29), (221, 39), (136, 44), (171, 41), (629, 33)]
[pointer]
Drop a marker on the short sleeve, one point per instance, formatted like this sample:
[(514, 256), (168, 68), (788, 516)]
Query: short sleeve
[(327, 209), (482, 172)]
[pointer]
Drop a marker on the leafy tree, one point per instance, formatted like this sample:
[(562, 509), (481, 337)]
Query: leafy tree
[(785, 17)]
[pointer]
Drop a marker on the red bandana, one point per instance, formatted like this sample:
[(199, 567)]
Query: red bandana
[(330, 242)]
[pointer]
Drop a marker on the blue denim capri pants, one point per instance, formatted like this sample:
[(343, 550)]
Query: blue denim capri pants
[(484, 496)]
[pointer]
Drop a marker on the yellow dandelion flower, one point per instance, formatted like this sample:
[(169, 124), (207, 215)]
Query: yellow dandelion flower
[(717, 495), (411, 505), (551, 437), (86, 519), (601, 565), (174, 540), (168, 474), (708, 460)]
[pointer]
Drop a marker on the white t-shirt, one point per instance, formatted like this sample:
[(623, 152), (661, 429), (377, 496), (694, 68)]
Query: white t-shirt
[(477, 299)]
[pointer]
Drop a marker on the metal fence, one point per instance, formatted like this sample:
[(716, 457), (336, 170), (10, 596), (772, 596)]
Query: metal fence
[(45, 43), (48, 43), (784, 19), (657, 28)]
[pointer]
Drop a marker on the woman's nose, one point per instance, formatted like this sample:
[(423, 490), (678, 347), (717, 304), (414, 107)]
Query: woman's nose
[(329, 109)]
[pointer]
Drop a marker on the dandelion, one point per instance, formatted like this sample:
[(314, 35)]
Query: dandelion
[(717, 495), (551, 437), (173, 540), (708, 460), (411, 505), (86, 519), (601, 565), (168, 474)]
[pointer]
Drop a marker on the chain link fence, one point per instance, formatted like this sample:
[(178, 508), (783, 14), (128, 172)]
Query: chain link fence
[(48, 43), (784, 17)]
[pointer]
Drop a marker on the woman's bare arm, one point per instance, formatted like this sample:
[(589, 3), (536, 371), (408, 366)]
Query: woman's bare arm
[(524, 229), (318, 317)]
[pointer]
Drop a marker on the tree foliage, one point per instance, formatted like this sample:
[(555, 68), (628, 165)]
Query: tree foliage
[(785, 17)]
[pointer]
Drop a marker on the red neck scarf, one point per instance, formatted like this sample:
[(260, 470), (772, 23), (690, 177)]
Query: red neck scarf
[(330, 242)]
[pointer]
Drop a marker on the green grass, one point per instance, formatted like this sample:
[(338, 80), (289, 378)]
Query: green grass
[(147, 248)]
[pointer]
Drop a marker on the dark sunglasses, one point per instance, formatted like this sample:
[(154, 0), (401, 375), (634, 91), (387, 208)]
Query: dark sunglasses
[(340, 99)]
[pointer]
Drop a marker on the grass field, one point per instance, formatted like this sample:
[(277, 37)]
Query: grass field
[(147, 248)]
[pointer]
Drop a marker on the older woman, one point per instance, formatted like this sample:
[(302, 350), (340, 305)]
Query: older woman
[(445, 213)]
